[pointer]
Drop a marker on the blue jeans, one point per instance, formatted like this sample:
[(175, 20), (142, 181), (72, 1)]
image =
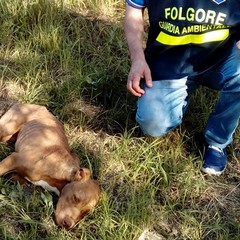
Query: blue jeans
[(162, 107)]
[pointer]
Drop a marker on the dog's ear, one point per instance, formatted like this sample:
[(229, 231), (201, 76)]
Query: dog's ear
[(82, 174), (85, 173)]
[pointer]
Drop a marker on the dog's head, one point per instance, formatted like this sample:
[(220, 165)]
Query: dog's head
[(77, 199)]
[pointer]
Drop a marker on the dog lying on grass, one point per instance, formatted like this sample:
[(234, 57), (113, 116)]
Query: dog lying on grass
[(43, 156)]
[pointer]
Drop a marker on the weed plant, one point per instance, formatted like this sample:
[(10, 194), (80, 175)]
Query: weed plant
[(71, 56)]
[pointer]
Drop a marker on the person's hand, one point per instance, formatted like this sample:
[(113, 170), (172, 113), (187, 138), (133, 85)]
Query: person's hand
[(139, 70), (238, 44)]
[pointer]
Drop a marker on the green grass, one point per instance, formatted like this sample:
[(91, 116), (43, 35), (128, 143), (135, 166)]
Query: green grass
[(72, 57)]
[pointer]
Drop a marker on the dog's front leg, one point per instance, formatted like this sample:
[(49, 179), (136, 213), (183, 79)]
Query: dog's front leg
[(8, 164)]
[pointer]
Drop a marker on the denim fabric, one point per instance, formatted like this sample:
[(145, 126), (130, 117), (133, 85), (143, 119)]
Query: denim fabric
[(162, 107)]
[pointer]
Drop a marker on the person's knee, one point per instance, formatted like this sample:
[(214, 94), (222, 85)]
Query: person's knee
[(157, 127)]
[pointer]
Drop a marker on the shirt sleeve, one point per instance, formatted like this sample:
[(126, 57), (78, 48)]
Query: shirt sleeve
[(136, 3)]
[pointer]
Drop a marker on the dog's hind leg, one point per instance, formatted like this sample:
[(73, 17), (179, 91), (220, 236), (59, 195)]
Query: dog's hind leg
[(8, 164), (11, 122)]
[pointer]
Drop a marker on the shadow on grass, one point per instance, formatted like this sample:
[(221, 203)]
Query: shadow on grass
[(82, 59)]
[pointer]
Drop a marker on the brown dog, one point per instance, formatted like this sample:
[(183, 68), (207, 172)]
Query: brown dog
[(43, 156)]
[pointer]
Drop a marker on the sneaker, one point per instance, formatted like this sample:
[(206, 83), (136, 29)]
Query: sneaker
[(214, 160)]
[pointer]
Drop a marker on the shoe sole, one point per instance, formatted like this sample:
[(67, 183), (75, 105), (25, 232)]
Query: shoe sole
[(211, 171)]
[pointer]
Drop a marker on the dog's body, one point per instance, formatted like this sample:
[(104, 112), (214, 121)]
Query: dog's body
[(43, 156)]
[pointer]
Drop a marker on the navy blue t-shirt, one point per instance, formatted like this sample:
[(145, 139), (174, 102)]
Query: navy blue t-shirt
[(188, 37)]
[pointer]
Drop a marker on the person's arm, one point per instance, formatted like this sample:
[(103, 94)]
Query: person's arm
[(134, 30)]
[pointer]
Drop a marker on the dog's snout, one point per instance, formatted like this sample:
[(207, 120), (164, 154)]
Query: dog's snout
[(67, 222)]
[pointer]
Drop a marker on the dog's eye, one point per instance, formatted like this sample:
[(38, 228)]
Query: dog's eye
[(75, 198)]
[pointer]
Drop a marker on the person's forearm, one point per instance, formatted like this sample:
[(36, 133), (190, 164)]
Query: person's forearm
[(134, 29)]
